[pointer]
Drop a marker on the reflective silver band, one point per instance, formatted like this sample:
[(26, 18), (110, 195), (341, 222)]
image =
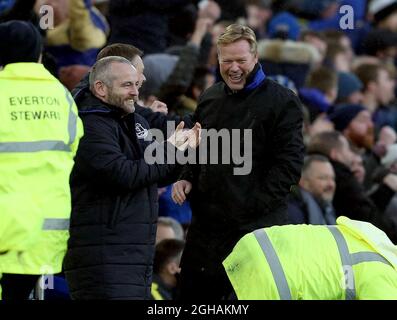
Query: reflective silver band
[(346, 262), (274, 264), (56, 224)]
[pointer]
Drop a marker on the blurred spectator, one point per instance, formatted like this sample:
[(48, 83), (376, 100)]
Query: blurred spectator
[(202, 79), (311, 203), (381, 44), (289, 58), (284, 81), (168, 81), (355, 123), (166, 268), (142, 23), (258, 14), (5, 5), (378, 93), (168, 208), (349, 88), (326, 81), (317, 40), (357, 168), (384, 14), (284, 26), (339, 37), (79, 33), (350, 199), (337, 58), (231, 9), (169, 228)]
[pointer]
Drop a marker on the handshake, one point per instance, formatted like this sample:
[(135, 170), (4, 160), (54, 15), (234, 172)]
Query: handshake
[(181, 138)]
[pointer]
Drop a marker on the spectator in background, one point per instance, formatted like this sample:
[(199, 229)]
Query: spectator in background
[(339, 37), (259, 13), (142, 23), (187, 103), (350, 198), (382, 44), (79, 32), (326, 81), (166, 268), (384, 14), (169, 228), (39, 135), (317, 40), (349, 89), (169, 76), (337, 58), (311, 203), (378, 93)]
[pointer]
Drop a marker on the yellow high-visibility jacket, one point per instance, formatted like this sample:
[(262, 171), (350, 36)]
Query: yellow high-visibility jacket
[(39, 135), (353, 260)]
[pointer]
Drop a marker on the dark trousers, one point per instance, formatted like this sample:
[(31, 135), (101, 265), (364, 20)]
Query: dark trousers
[(195, 285), (17, 286)]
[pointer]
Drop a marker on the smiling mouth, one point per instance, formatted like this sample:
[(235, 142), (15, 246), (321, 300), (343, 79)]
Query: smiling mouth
[(235, 78)]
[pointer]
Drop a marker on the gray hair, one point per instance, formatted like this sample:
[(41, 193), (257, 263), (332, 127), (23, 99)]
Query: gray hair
[(174, 224), (101, 70), (309, 159)]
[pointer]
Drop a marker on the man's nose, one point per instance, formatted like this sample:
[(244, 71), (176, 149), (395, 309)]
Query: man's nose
[(234, 66)]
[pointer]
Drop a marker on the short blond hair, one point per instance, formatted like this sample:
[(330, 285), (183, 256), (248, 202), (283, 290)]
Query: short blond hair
[(236, 32)]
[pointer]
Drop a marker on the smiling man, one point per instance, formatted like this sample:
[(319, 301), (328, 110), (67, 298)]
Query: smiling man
[(226, 205), (114, 190)]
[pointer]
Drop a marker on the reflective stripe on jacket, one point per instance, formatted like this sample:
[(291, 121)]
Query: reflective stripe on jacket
[(310, 262)]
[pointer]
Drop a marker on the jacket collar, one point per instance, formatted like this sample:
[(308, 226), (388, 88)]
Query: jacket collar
[(254, 80)]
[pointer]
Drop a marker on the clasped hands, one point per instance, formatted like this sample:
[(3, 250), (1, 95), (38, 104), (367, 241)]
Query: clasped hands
[(182, 138)]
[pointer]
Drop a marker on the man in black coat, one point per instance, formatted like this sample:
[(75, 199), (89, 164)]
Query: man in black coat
[(350, 198), (229, 200), (114, 191)]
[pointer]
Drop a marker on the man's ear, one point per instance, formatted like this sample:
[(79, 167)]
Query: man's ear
[(101, 89), (173, 268)]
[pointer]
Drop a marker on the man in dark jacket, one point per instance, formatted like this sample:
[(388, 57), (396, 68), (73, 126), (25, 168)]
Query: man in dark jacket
[(311, 203), (156, 120), (225, 205), (350, 197), (114, 192)]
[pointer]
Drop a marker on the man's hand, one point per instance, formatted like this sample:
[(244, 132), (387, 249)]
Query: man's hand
[(179, 138), (194, 136), (158, 106), (179, 191)]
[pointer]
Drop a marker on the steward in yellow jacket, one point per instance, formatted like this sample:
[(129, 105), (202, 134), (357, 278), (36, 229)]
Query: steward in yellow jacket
[(352, 260), (39, 135)]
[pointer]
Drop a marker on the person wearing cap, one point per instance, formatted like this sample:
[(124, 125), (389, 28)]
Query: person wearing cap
[(39, 136), (349, 88), (351, 260), (384, 13), (355, 122)]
